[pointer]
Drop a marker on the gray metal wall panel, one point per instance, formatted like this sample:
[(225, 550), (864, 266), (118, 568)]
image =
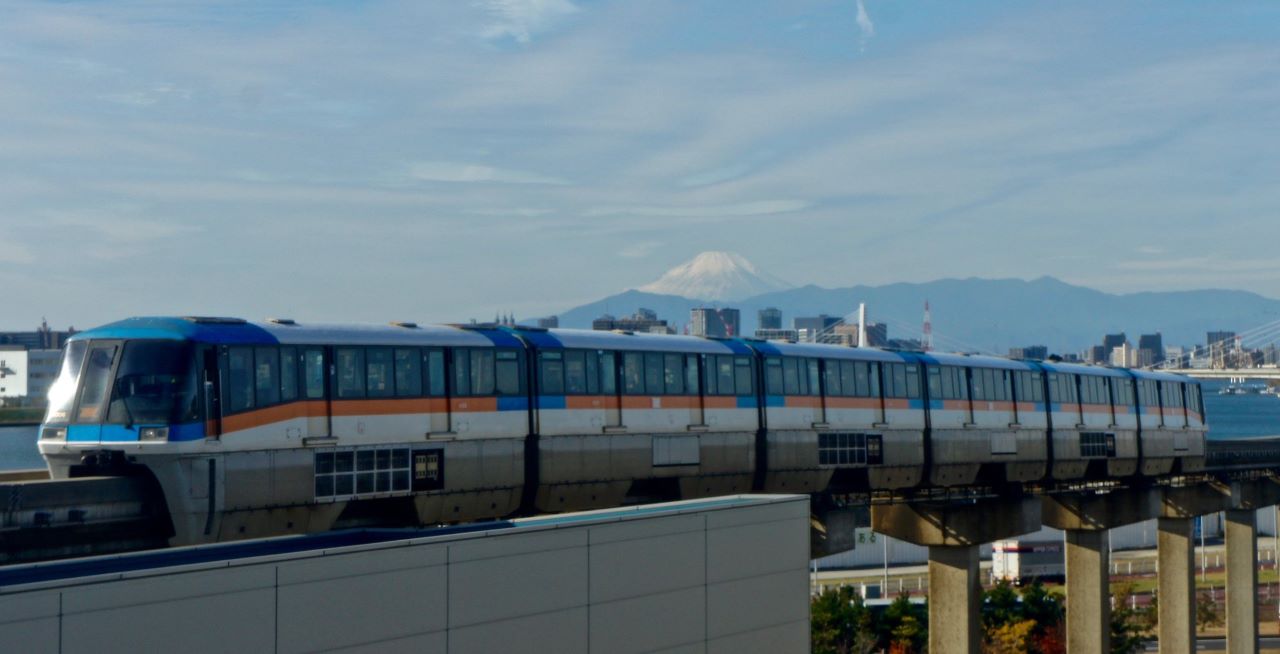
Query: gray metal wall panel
[(793, 637), (738, 548), (551, 633), (649, 623), (29, 622), (746, 604), (225, 610), (507, 587), (644, 566)]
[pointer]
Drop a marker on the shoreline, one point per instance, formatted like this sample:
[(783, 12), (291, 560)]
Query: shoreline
[(19, 423)]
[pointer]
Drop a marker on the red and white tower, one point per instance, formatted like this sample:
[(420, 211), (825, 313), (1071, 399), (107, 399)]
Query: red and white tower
[(928, 328)]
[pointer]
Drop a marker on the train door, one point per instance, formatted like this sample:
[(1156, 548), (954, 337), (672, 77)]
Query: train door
[(210, 385), (433, 362), (611, 390), (693, 389), (316, 371)]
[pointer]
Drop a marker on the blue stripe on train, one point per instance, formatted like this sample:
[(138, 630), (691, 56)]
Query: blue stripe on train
[(513, 404), (775, 401), (551, 402), (746, 402)]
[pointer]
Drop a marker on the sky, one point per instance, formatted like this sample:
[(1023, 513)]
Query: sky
[(440, 161)]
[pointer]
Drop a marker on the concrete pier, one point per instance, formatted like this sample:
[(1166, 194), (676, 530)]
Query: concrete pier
[(1088, 591), (1175, 577), (955, 600), (1242, 581)]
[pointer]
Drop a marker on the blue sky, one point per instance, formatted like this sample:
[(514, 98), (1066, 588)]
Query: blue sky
[(440, 161)]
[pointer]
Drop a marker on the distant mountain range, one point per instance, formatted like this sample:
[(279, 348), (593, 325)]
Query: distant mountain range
[(972, 314)]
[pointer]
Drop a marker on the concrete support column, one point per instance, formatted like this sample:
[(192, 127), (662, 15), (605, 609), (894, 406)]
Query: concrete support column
[(1242, 581), (1176, 580), (955, 600), (1088, 591)]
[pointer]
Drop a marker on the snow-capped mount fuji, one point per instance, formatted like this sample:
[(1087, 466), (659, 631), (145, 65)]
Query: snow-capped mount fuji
[(716, 276)]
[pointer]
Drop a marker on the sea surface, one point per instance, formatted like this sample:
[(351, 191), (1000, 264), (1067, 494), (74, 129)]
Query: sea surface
[(1230, 416)]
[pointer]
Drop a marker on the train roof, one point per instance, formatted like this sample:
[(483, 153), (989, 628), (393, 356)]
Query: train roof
[(973, 361), (822, 351), (587, 339), (234, 331), (1083, 369)]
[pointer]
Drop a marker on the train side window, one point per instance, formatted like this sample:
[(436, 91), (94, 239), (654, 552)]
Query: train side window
[(947, 383), (790, 377), (1002, 385), (849, 379), (506, 372), (592, 360), (461, 372), (814, 384), (691, 374), (266, 375), (351, 373), (288, 374), (608, 373), (551, 373), (633, 373), (724, 374), (709, 374), (239, 378), (482, 372), (435, 373), (873, 379), (742, 376), (653, 373), (831, 375), (575, 373), (673, 374), (773, 376), (977, 384), (408, 364), (378, 376), (313, 374), (913, 381)]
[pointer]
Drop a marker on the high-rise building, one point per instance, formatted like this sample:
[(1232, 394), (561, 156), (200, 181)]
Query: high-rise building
[(769, 318), (1097, 354), (42, 371), (718, 323), (777, 334), (1113, 341), (43, 338), (1220, 344), (1153, 345), (813, 328), (1036, 352), (644, 321), (550, 322)]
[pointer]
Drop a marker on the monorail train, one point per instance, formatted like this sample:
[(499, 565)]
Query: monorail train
[(255, 429)]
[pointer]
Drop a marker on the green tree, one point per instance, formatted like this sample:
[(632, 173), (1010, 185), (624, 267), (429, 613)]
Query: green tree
[(840, 623), (1207, 614), (903, 627), (1128, 626), (1000, 606)]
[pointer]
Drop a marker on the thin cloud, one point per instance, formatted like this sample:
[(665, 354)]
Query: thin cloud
[(865, 26), (469, 173), (738, 210), (521, 20)]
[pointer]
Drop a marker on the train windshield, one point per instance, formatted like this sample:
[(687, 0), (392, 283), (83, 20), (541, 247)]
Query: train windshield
[(137, 382), (155, 383), (63, 392)]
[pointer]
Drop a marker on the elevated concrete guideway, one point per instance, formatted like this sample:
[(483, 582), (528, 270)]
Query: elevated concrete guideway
[(719, 575)]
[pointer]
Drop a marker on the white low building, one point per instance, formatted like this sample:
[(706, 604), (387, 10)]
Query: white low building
[(13, 373)]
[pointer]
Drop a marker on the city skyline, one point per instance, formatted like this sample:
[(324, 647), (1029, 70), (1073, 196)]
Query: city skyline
[(449, 158)]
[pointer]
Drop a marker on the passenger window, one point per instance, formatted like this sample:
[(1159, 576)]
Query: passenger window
[(831, 374), (482, 372), (773, 376), (408, 372), (913, 381), (239, 378), (849, 379), (435, 373), (673, 374), (608, 373), (378, 377), (742, 376), (288, 374), (899, 379), (814, 377), (507, 372), (266, 375), (575, 373), (724, 375), (633, 373), (461, 373), (313, 374), (351, 373), (593, 372), (691, 374), (653, 382), (790, 377)]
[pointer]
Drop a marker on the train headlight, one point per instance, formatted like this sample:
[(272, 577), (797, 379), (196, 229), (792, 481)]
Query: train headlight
[(54, 434), (154, 434)]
